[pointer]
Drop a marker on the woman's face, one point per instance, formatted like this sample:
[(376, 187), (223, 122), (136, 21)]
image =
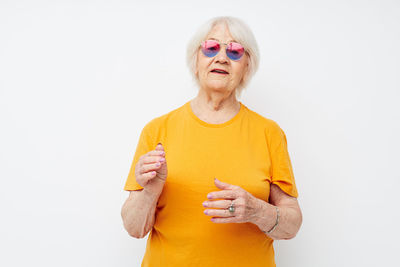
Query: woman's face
[(236, 69)]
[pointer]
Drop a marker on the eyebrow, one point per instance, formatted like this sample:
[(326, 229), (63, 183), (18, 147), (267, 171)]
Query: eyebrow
[(218, 40)]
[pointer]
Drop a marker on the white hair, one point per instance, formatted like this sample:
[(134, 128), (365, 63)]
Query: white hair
[(240, 32)]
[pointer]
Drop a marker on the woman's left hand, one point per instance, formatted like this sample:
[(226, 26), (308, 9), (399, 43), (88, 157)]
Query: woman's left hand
[(246, 205)]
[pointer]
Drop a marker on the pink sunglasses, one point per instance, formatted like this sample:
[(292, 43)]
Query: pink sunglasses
[(210, 48)]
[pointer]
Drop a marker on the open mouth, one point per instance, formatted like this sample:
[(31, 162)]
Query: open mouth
[(220, 71)]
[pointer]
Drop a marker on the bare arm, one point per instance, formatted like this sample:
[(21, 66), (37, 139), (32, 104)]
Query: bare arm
[(138, 212), (290, 215)]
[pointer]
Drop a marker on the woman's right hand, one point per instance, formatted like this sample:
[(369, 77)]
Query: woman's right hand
[(151, 170)]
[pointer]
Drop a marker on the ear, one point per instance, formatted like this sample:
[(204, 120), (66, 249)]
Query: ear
[(245, 75), (196, 68)]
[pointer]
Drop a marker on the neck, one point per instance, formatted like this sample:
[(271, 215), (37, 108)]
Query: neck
[(215, 107), (216, 101)]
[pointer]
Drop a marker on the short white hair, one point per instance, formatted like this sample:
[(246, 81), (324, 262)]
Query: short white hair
[(240, 32)]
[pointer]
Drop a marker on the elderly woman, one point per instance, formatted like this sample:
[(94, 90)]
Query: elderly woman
[(212, 180)]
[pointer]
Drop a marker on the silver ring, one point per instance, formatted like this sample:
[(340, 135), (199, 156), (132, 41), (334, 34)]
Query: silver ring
[(231, 208)]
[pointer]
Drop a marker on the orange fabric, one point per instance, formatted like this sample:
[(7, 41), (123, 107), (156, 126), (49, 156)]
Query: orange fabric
[(249, 150)]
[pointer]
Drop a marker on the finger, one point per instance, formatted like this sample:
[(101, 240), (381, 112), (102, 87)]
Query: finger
[(156, 153), (227, 194), (222, 204), (152, 159), (149, 167), (224, 220), (148, 175), (159, 147), (223, 185), (218, 212)]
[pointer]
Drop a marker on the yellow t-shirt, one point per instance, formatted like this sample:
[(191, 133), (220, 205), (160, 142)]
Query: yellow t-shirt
[(249, 150)]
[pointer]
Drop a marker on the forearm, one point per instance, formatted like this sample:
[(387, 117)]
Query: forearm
[(289, 221), (138, 213)]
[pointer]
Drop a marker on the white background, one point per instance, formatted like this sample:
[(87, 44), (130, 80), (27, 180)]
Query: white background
[(79, 80)]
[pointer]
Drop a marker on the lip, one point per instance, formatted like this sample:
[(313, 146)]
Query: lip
[(218, 72)]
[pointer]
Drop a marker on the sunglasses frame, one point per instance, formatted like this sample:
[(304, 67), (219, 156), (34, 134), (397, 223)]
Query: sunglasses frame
[(226, 44)]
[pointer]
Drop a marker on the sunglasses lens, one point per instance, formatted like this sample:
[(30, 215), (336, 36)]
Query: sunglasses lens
[(234, 51), (210, 48)]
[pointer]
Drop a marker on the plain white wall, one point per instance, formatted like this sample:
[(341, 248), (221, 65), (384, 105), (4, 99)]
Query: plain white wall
[(79, 79)]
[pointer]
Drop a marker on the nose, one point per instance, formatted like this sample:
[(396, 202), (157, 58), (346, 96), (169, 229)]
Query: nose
[(221, 57)]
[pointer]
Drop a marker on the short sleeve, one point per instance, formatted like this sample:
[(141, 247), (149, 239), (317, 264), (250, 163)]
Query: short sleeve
[(143, 146), (282, 171)]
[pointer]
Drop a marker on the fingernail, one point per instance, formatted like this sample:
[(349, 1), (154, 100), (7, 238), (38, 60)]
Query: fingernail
[(209, 196), (159, 144), (204, 204)]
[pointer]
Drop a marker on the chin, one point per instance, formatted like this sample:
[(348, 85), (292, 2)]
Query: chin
[(218, 86)]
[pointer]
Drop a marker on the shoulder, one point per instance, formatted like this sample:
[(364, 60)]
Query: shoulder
[(160, 122), (269, 125)]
